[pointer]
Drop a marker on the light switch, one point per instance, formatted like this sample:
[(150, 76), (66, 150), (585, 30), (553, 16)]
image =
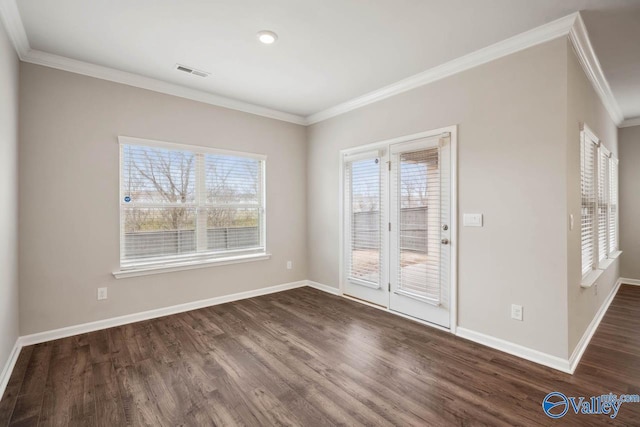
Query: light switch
[(472, 220)]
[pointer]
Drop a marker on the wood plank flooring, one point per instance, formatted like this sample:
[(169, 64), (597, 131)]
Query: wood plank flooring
[(303, 357)]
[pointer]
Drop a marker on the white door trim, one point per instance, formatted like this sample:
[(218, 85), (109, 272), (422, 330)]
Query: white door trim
[(453, 130)]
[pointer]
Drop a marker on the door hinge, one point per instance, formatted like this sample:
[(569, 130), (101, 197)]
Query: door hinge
[(389, 288), (389, 226), (389, 163)]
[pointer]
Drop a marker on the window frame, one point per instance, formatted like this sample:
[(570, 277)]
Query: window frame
[(598, 264), (199, 258)]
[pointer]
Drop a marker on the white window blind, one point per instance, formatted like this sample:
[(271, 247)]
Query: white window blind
[(599, 193), (603, 203), (588, 152), (613, 205), (184, 203), (418, 185), (363, 196)]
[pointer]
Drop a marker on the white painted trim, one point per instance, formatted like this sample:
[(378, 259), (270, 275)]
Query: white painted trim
[(151, 314), (131, 140), (582, 345), (10, 16), (626, 281), (324, 288), (79, 67), (396, 313), (630, 122), (499, 344), (8, 366), (452, 130), (571, 25), (523, 352), (453, 273), (189, 265), (541, 34), (584, 50), (591, 277)]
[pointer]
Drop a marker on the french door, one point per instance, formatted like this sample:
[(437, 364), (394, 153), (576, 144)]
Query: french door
[(397, 226)]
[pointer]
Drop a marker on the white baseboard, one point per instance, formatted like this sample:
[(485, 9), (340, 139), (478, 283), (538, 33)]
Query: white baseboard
[(151, 314), (8, 367), (626, 281), (574, 360), (324, 288), (518, 350), (497, 343)]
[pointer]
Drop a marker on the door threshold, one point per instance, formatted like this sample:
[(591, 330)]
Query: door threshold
[(397, 313), (365, 302)]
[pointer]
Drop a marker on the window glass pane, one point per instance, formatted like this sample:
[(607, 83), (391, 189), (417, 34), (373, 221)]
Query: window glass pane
[(233, 228), (419, 227), (603, 204), (613, 197), (156, 175), (587, 177), (232, 180), (156, 232), (364, 198), (179, 204)]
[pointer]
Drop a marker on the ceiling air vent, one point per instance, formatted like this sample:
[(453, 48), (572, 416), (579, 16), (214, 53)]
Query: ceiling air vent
[(191, 70)]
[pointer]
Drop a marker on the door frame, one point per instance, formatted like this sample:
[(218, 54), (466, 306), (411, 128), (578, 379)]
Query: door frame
[(453, 291)]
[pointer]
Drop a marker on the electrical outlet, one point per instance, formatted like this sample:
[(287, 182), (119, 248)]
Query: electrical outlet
[(516, 312), (289, 265), (102, 293)]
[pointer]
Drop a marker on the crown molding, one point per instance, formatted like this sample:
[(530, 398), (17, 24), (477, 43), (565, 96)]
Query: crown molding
[(571, 25), (544, 33), (136, 80), (12, 21), (627, 123), (580, 40), (10, 16)]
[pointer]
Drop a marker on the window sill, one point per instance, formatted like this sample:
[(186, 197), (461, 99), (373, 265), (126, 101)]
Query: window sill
[(615, 254), (590, 278), (188, 265), (605, 263)]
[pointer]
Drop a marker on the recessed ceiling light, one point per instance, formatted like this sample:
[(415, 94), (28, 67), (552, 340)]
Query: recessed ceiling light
[(267, 37)]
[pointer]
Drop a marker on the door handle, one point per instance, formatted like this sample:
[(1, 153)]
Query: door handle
[(444, 241)]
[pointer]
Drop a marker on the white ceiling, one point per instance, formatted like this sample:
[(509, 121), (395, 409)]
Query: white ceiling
[(328, 52)]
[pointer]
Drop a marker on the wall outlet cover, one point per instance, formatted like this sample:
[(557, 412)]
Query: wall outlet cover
[(472, 220), (516, 312)]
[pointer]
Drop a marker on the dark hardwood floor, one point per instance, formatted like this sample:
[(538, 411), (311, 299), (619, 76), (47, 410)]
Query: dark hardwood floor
[(304, 357)]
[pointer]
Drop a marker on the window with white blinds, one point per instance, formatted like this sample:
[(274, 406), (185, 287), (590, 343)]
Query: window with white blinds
[(588, 152), (613, 205), (363, 203), (603, 203), (184, 203), (599, 211), (418, 182)]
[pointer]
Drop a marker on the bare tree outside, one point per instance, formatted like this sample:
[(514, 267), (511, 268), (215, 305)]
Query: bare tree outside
[(162, 210)]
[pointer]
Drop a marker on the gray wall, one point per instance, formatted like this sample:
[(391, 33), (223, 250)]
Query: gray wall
[(8, 197), (69, 214), (583, 105), (511, 166), (630, 202)]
